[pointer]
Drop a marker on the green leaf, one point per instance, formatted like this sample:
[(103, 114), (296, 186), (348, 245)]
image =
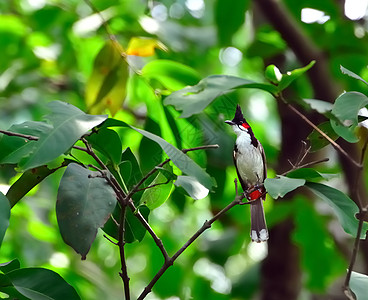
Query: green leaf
[(106, 87), (344, 208), (130, 169), (28, 181), (289, 77), (192, 187), (358, 284), (172, 75), (156, 196), (107, 142), (134, 230), (321, 260), (14, 148), (84, 203), (310, 174), (182, 161), (281, 185), (320, 106), (317, 141), (41, 284), (4, 215), (193, 99), (346, 108), (10, 266), (352, 74), (227, 27), (69, 125), (150, 153)]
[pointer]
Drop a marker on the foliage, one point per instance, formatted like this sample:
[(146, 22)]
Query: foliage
[(81, 171)]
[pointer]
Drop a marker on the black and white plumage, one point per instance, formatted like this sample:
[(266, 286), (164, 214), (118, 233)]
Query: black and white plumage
[(250, 164)]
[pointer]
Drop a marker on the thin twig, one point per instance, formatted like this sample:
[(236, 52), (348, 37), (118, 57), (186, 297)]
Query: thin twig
[(297, 167), (309, 122), (32, 138)]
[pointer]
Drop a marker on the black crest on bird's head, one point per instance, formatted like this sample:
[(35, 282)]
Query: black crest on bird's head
[(239, 118)]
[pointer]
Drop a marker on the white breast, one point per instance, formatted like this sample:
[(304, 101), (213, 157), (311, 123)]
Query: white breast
[(249, 161)]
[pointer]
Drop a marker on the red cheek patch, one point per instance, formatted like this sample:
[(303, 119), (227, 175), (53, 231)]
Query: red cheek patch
[(245, 125)]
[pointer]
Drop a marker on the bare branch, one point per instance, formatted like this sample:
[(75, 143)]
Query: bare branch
[(121, 242)]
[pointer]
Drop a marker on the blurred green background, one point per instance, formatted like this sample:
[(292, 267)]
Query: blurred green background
[(48, 48)]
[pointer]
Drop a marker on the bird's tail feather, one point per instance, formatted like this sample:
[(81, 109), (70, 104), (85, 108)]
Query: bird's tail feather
[(258, 231)]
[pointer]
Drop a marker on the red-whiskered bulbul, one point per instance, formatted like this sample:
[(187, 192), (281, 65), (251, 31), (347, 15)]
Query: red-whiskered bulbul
[(250, 164)]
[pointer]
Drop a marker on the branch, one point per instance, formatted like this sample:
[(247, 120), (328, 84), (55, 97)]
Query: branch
[(121, 243), (170, 261)]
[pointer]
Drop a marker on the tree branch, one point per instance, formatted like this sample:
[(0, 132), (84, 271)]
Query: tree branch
[(170, 261)]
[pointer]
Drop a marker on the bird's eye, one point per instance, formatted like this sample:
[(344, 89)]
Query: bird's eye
[(245, 125)]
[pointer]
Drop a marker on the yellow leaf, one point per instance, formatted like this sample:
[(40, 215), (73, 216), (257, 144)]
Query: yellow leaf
[(142, 46)]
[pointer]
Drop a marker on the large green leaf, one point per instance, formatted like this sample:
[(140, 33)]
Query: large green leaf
[(14, 148), (358, 284), (84, 203), (322, 107), (41, 284), (134, 230), (182, 161), (281, 185), (344, 208), (319, 256), (69, 125), (226, 27), (346, 108), (310, 174), (193, 99), (172, 75), (4, 215)]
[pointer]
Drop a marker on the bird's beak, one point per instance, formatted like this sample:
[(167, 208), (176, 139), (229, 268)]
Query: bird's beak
[(229, 122)]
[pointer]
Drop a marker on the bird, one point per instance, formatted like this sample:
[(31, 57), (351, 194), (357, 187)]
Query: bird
[(250, 163)]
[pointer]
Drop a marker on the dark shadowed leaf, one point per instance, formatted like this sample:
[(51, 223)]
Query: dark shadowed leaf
[(172, 75), (193, 99), (317, 141), (69, 124), (13, 148), (41, 284), (289, 77), (107, 142), (344, 208), (28, 181), (130, 169), (10, 266), (135, 231), (310, 174), (352, 74), (4, 216), (358, 284), (281, 185), (192, 187), (84, 203), (182, 161)]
